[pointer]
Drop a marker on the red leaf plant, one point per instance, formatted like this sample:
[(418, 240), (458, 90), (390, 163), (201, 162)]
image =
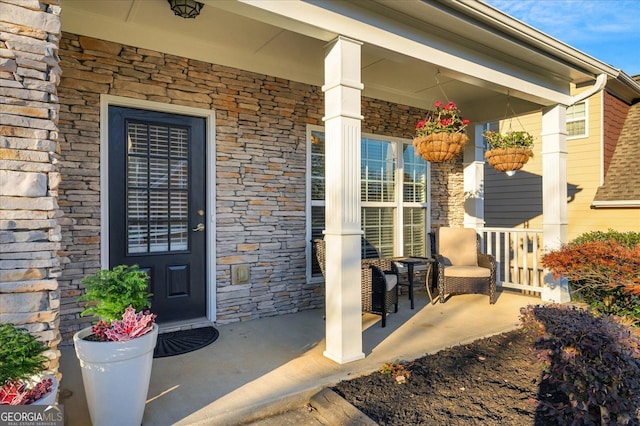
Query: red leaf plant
[(596, 264), (133, 324), (23, 392)]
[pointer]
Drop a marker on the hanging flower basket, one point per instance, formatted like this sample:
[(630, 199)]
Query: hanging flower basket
[(509, 151), (508, 159), (439, 147), (440, 136)]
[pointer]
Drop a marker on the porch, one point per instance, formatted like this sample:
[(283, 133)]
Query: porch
[(263, 367)]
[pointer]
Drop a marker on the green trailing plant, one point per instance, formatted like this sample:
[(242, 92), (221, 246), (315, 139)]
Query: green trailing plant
[(109, 292), (119, 299), (512, 139), (21, 366), (594, 361)]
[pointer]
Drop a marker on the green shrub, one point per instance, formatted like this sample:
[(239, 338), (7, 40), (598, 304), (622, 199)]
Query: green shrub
[(20, 354), (594, 361), (628, 239), (109, 293)]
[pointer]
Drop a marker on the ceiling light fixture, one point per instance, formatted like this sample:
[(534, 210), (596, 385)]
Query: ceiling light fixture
[(186, 8)]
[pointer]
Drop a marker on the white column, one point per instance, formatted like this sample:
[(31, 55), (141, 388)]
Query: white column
[(474, 180), (343, 231), (554, 195)]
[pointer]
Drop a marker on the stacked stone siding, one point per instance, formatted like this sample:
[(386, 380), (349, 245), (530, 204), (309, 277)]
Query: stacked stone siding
[(260, 168), (29, 178)]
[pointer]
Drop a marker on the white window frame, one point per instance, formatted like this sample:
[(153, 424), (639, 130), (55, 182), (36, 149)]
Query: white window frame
[(585, 119), (398, 204)]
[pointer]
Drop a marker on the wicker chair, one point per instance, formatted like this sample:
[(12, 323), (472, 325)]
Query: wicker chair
[(379, 283), (461, 268)]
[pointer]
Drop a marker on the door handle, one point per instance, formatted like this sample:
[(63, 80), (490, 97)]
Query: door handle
[(199, 228)]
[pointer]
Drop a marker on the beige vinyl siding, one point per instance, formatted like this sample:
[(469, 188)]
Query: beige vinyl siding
[(517, 201), (584, 169), (584, 162)]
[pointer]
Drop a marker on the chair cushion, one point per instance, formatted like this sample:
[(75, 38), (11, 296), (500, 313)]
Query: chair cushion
[(467, 272), (458, 246), (392, 281)]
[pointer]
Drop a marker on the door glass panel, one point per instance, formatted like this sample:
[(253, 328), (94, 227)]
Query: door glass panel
[(179, 174), (158, 205), (137, 138), (179, 205), (158, 172), (157, 188), (158, 138), (137, 171), (138, 204), (137, 237), (159, 237), (179, 236), (179, 142)]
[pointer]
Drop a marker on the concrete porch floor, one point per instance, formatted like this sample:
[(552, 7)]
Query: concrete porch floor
[(264, 367)]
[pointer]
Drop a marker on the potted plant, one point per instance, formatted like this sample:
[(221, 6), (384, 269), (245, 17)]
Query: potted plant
[(509, 151), (22, 367), (440, 136), (117, 352)]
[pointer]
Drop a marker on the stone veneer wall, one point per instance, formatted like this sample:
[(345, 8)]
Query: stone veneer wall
[(29, 178), (260, 164)]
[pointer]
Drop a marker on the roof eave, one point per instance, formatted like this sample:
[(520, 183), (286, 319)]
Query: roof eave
[(525, 33), (624, 85)]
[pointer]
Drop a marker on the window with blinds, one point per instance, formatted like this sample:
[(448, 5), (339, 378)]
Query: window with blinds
[(157, 188), (394, 196), (577, 120)]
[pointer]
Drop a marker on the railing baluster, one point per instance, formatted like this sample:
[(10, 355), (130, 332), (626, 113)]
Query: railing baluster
[(513, 265), (536, 273), (525, 258)]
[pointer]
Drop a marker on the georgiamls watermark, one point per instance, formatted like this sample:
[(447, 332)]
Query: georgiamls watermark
[(31, 415)]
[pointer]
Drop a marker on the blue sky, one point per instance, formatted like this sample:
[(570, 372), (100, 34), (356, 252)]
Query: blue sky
[(608, 30)]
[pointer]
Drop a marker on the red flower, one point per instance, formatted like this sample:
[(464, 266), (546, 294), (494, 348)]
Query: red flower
[(445, 118), (451, 105)]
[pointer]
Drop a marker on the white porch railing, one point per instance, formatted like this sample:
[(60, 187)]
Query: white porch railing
[(518, 253)]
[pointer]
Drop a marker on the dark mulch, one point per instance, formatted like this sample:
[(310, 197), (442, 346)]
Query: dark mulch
[(491, 381)]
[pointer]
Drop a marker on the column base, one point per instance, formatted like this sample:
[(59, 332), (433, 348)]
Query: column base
[(556, 291), (342, 359)]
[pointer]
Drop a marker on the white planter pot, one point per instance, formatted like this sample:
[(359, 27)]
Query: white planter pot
[(50, 398), (116, 377)]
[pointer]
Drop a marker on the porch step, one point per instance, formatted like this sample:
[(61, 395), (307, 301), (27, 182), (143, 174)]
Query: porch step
[(332, 409)]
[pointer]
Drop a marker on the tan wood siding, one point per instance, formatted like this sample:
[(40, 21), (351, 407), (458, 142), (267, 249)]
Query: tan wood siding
[(517, 201)]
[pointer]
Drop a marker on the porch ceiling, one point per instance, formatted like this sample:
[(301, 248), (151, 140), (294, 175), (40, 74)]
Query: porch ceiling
[(251, 36)]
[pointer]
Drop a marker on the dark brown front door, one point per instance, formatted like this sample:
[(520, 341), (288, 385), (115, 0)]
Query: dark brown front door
[(157, 201)]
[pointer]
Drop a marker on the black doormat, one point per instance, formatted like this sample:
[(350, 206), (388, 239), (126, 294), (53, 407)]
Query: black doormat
[(183, 341)]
